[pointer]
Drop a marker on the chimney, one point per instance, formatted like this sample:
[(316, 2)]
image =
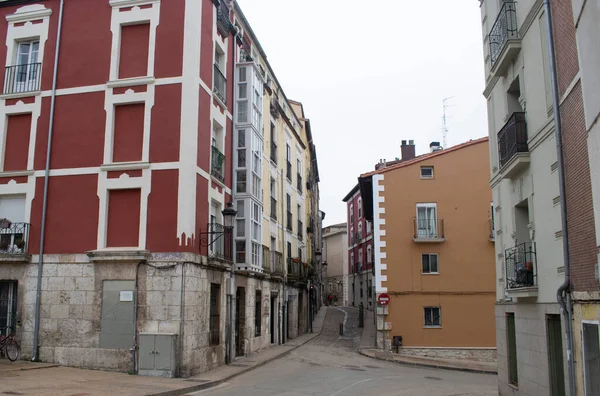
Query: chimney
[(435, 146), (408, 150)]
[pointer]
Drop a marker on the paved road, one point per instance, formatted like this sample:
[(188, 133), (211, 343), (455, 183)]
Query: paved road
[(330, 366)]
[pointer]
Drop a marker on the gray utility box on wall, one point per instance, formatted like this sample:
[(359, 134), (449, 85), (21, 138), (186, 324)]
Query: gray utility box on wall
[(158, 355)]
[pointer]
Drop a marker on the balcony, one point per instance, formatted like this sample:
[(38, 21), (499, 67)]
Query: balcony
[(273, 209), (223, 23), (293, 268), (217, 166), (219, 84), (289, 221), (504, 39), (513, 151), (299, 185), (14, 239), (276, 263), (220, 242), (300, 230), (429, 230), (521, 270), (22, 78)]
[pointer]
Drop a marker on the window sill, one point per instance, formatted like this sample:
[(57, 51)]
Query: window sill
[(217, 181), (430, 273), (432, 327), (14, 258), (219, 101), (427, 178), (18, 95), (131, 82)]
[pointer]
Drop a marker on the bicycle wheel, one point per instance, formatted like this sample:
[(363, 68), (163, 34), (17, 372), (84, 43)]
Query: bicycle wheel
[(12, 350)]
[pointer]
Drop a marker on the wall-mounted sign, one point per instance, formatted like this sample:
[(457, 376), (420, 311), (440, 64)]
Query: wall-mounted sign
[(126, 295)]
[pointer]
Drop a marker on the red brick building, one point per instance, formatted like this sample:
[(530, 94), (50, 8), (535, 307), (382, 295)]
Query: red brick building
[(116, 155)]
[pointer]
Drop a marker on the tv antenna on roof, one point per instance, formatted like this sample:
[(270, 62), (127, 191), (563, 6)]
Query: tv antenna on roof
[(444, 118)]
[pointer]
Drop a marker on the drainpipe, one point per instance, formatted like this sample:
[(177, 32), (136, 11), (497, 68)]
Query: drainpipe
[(563, 293), (38, 296), (133, 349)]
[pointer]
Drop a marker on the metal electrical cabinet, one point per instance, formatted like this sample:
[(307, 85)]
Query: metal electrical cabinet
[(158, 354)]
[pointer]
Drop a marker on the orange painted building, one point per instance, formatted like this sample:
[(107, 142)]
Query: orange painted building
[(434, 252)]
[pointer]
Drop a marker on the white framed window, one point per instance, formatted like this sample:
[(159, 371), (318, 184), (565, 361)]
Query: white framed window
[(360, 213), (240, 225), (24, 75), (426, 222), (256, 248), (351, 235), (432, 317), (256, 221), (368, 226), (591, 356), (427, 172), (369, 254), (429, 263), (351, 214), (360, 231)]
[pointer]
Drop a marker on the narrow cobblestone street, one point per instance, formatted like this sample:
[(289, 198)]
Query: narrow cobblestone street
[(329, 365)]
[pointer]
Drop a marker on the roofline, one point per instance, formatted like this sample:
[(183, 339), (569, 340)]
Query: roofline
[(351, 193), (426, 157)]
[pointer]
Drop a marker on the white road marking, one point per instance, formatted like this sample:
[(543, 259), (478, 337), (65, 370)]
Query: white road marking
[(350, 386), (345, 315)]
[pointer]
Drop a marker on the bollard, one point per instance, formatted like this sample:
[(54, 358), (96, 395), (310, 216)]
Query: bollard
[(361, 315), (341, 328)]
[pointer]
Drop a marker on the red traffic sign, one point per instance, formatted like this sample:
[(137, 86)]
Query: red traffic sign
[(383, 299)]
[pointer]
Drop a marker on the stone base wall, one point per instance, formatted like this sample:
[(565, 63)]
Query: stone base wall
[(476, 354), (173, 297)]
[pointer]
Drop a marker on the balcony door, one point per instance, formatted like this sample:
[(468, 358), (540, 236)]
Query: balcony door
[(25, 74), (427, 220)]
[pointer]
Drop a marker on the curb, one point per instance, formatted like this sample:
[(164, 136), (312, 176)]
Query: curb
[(433, 365), (212, 384)]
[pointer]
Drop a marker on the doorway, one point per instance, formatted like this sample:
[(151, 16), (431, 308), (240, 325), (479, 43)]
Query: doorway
[(8, 304), (273, 301), (555, 355), (240, 320)]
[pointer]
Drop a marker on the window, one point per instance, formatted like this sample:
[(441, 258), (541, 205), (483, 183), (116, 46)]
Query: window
[(351, 235), (242, 111), (256, 221), (432, 317), (360, 231), (361, 290), (273, 144), (427, 221), (288, 201), (300, 254), (427, 172), (591, 357), (289, 250), (368, 226), (273, 199), (300, 224), (513, 375), (219, 80), (241, 148), (288, 156), (215, 308), (360, 259), (256, 248), (256, 166), (241, 181), (359, 208), (430, 263), (299, 176), (257, 313), (352, 262), (351, 214), (24, 76), (369, 254), (240, 252)]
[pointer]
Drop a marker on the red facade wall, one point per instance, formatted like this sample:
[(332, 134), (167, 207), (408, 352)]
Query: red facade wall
[(169, 40), (204, 131), (84, 58), (133, 61), (166, 124), (365, 242), (128, 132), (123, 218), (207, 51), (72, 218), (161, 235), (16, 149), (201, 211), (78, 141)]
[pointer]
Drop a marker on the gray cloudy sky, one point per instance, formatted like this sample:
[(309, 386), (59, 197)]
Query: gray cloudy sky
[(373, 73)]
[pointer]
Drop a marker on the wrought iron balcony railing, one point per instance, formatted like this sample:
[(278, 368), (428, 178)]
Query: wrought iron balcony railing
[(293, 267), (273, 208), (217, 168), (219, 242), (22, 78), (504, 29), (521, 266), (220, 84), (512, 138), (14, 238), (429, 229), (276, 263), (223, 23)]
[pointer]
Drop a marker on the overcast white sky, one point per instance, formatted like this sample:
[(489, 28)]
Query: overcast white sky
[(373, 73)]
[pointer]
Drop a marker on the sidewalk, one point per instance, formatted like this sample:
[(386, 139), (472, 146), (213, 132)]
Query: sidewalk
[(368, 348), (42, 379)]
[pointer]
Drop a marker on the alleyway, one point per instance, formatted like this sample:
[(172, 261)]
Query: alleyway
[(330, 366)]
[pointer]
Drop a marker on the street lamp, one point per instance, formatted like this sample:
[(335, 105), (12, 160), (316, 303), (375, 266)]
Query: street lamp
[(229, 214)]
